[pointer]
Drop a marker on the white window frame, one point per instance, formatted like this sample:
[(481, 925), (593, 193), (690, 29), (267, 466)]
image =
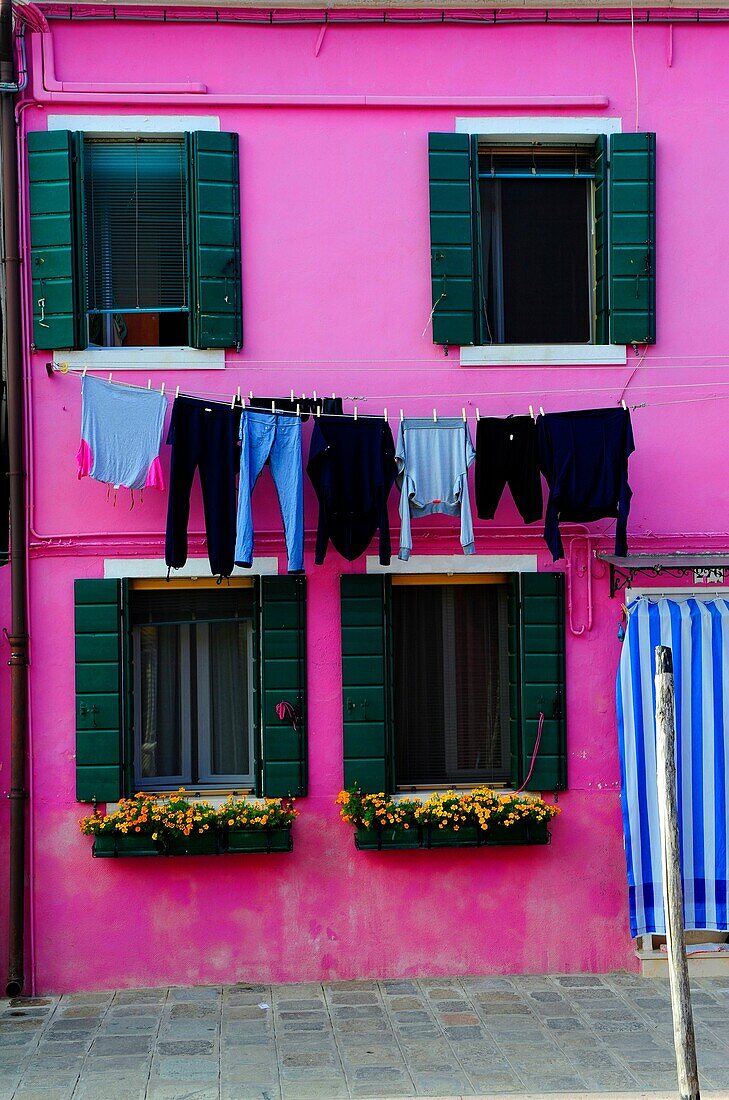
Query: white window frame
[(138, 358), (583, 130)]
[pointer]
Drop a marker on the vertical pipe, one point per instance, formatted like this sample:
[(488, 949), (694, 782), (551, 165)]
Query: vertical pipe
[(17, 637)]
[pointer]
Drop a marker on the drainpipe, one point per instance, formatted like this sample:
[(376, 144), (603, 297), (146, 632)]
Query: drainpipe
[(18, 637)]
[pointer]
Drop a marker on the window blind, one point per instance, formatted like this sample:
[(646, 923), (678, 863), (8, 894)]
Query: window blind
[(158, 605), (136, 226)]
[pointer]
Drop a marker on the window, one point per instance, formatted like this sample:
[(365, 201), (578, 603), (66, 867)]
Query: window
[(135, 241), (193, 681), (539, 242), (450, 684), (448, 681), (536, 245), (179, 683), (135, 223)]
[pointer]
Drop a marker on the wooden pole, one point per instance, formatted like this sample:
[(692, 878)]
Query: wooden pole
[(683, 1022)]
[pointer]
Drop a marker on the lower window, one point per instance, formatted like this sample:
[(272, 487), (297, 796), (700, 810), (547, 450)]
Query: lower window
[(193, 688), (450, 683)]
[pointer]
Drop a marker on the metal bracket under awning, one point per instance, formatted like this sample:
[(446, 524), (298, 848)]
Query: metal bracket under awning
[(702, 568)]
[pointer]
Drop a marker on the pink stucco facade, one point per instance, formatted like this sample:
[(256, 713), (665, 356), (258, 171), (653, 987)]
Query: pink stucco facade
[(336, 297)]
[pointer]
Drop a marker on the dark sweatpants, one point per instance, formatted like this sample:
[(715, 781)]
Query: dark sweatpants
[(506, 454), (204, 434)]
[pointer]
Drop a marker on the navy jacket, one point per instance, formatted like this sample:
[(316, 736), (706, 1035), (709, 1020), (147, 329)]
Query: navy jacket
[(352, 468), (584, 458)]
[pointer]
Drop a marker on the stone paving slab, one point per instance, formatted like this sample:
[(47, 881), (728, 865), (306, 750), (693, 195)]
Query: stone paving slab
[(555, 1036)]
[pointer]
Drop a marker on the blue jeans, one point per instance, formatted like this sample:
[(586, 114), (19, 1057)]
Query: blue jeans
[(276, 438)]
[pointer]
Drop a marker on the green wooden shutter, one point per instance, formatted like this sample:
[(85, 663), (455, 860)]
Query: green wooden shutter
[(632, 238), (99, 707), (453, 236), (54, 170), (366, 681), (215, 265), (541, 683), (283, 764), (601, 240)]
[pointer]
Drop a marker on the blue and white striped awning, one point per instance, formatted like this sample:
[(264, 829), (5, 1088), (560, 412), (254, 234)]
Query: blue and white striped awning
[(697, 632)]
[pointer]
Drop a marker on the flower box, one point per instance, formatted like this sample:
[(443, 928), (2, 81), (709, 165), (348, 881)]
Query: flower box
[(118, 844), (520, 832), (258, 840), (196, 844), (465, 836), (392, 837)]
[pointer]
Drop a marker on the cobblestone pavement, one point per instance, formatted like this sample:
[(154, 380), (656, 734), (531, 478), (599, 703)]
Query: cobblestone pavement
[(442, 1037)]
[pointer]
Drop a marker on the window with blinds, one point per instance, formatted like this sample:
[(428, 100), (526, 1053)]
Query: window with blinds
[(451, 686), (193, 687), (136, 238)]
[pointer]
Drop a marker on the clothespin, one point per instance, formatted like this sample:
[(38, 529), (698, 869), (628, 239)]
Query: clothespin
[(624, 405), (541, 411), (232, 404), (250, 395), (273, 407), (318, 411), (83, 372), (478, 413), (385, 415), (463, 414), (435, 416), (177, 392), (298, 408), (162, 389), (334, 397), (401, 416), (355, 412), (292, 394), (149, 383), (531, 412), (110, 374), (313, 392), (238, 396)]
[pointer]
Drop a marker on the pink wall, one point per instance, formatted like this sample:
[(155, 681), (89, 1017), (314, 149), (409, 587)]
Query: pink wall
[(336, 296)]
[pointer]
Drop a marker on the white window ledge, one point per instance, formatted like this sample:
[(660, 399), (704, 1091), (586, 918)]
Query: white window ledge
[(543, 355), (448, 564), (148, 359), (142, 568)]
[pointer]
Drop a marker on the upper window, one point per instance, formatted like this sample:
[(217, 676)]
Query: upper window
[(450, 684), (539, 242), (193, 682), (136, 237), (135, 241), (537, 245)]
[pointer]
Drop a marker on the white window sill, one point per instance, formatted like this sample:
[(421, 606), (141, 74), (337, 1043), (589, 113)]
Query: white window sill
[(148, 359), (543, 355)]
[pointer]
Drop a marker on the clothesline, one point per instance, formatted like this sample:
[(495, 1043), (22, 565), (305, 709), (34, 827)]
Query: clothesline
[(468, 397)]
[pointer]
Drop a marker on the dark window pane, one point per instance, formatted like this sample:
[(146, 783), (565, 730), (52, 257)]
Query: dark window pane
[(535, 239), (229, 708), (159, 683), (451, 718)]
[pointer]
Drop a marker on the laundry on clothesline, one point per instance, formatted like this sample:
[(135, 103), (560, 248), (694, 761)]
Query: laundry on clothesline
[(352, 468), (121, 435), (506, 454), (272, 438), (204, 436), (433, 458), (584, 459)]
